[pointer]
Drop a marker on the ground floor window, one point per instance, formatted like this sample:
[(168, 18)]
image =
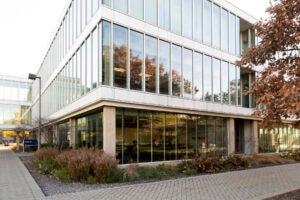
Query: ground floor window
[(148, 136), (64, 135), (89, 131), (282, 138)]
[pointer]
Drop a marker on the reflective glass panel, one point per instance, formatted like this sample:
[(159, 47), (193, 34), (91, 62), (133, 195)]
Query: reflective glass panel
[(145, 119), (238, 79), (151, 11), (106, 52), (88, 64), (95, 53), (225, 87), (136, 60), (107, 2), (78, 80), (95, 6), (207, 78), (216, 26), (176, 70), (232, 84), (120, 56), (181, 137), (197, 88), (191, 136), (130, 136), (170, 137), (83, 69), (207, 22), (88, 10), (158, 138), (187, 73), (164, 67), (136, 9), (119, 136), (150, 63), (187, 20), (176, 16), (237, 37), (198, 20), (216, 80), (164, 14), (232, 34), (120, 5)]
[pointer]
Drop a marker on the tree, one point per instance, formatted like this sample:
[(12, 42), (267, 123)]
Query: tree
[(277, 88)]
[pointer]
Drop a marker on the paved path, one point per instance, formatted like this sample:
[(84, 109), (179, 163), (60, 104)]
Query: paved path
[(16, 183)]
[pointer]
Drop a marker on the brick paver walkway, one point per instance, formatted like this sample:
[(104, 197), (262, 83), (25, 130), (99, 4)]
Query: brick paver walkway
[(15, 182)]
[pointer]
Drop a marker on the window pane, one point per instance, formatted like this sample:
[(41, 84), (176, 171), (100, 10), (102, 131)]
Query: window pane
[(231, 33), (119, 136), (83, 69), (176, 70), (237, 35), (176, 16), (136, 60), (164, 67), (187, 73), (151, 11), (225, 88), (130, 136), (181, 137), (207, 22), (120, 56), (83, 14), (136, 9), (88, 64), (145, 119), (232, 84), (107, 2), (164, 14), (224, 30), (150, 62), (106, 49), (95, 6), (88, 10), (95, 53), (78, 87), (216, 26), (191, 136), (238, 79), (197, 76), (187, 21), (120, 5), (158, 136), (207, 78), (217, 80), (170, 137), (198, 20)]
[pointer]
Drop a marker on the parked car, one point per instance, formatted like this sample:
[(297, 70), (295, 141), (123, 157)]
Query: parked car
[(6, 143)]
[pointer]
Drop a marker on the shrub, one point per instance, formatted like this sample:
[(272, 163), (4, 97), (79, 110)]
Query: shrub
[(48, 153), (236, 162), (63, 175)]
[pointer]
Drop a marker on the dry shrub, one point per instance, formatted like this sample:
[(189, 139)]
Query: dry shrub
[(262, 159), (48, 153)]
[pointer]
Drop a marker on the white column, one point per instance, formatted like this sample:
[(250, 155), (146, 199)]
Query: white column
[(231, 136), (109, 130), (72, 124)]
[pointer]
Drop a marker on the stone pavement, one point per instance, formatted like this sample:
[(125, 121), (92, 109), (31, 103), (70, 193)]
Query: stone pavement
[(16, 183)]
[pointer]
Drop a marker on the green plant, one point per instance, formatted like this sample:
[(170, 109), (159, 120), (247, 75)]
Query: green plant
[(63, 175)]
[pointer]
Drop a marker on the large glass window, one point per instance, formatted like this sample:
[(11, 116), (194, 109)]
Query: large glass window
[(238, 79), (95, 6), (151, 11), (187, 73), (150, 63), (164, 67), (158, 136), (107, 2), (106, 51), (119, 136), (176, 70), (232, 34), (216, 80), (130, 136), (120, 56), (237, 37), (78, 74), (136, 60), (207, 22), (83, 14), (207, 78), (198, 20), (170, 137), (88, 64), (216, 26), (95, 53), (83, 69), (191, 124), (145, 119), (187, 20), (197, 72), (181, 137), (137, 9), (164, 14), (232, 84), (225, 87), (120, 5), (176, 16), (88, 10), (224, 30)]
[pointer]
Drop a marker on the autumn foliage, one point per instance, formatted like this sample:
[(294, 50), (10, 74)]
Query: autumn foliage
[(276, 58)]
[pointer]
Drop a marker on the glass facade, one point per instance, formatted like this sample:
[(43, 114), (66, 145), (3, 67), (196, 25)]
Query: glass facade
[(136, 60), (149, 136)]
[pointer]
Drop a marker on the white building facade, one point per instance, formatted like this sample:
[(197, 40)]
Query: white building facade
[(149, 80)]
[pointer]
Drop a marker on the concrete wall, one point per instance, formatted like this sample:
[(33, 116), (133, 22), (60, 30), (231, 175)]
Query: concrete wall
[(231, 136), (109, 130)]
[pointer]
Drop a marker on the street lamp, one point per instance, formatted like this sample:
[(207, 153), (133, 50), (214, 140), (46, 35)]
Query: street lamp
[(34, 77)]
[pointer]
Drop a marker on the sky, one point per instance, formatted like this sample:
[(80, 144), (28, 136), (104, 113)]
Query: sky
[(28, 26)]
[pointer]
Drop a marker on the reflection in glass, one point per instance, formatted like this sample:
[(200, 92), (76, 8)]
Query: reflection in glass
[(130, 136), (107, 2), (217, 80), (207, 22), (158, 139), (120, 5), (136, 60), (207, 78), (181, 137), (176, 70), (119, 136), (224, 30), (216, 26), (191, 136), (164, 14), (106, 49), (150, 63), (238, 79), (197, 88), (120, 56), (151, 11), (170, 137), (164, 67), (187, 73), (88, 64), (187, 21), (198, 20), (232, 84), (232, 33), (176, 16), (136, 9), (237, 37), (78, 81), (145, 119), (95, 54), (83, 69), (225, 86)]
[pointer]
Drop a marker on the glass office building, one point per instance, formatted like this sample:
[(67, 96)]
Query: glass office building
[(150, 80)]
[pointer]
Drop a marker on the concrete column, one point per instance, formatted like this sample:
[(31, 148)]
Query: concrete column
[(55, 134), (44, 135), (231, 136), (72, 124), (255, 137), (251, 137), (109, 130)]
